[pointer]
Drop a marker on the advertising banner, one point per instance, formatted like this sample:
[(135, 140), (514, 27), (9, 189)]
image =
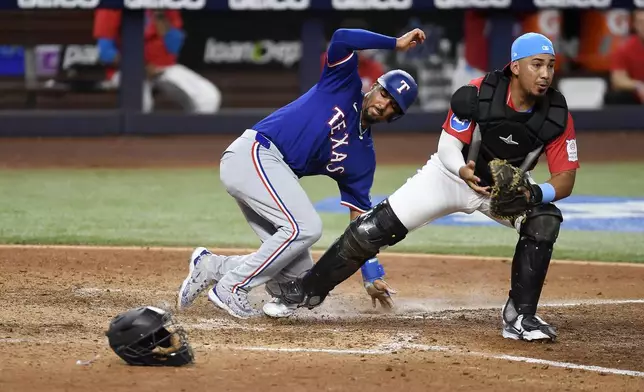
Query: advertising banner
[(338, 5)]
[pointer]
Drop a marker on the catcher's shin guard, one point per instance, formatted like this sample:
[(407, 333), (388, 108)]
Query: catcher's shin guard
[(362, 240), (532, 256)]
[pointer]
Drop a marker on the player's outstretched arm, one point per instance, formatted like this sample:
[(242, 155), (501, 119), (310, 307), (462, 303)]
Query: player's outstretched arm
[(373, 274), (373, 278), (346, 41), (451, 155)]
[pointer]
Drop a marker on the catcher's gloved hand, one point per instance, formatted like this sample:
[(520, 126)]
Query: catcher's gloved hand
[(379, 290), (511, 193)]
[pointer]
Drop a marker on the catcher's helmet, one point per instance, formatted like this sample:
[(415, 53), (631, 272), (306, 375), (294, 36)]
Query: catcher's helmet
[(402, 87), (148, 336)]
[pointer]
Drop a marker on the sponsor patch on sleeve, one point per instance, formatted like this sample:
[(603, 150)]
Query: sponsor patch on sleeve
[(571, 148), (458, 125)]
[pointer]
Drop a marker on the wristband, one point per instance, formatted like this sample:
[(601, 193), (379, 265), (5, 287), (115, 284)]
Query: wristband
[(548, 192), (106, 50), (173, 41), (372, 270)]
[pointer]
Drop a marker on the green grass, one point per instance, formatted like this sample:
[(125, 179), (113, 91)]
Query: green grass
[(186, 207)]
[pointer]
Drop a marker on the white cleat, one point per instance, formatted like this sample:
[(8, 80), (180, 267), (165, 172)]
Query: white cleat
[(278, 309), (525, 326), (236, 304), (197, 280)]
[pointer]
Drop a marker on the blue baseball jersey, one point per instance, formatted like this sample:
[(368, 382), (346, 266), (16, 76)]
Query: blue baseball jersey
[(320, 133)]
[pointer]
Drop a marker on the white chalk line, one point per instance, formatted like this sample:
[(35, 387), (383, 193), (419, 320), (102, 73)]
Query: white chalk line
[(456, 308), (313, 350), (431, 306), (396, 347), (383, 349), (593, 302), (448, 257)]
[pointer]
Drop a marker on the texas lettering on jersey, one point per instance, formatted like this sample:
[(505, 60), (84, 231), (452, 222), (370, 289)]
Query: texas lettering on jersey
[(319, 133), (339, 137)]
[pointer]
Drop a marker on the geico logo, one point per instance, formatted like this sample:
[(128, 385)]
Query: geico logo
[(573, 3), (277, 5), (260, 52), (168, 4), (80, 54), (472, 3), (58, 3), (372, 4)]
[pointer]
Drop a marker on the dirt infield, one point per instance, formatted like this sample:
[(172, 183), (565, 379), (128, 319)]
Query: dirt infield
[(173, 151), (445, 334)]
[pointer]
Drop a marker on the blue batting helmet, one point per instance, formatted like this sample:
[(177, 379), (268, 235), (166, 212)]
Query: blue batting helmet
[(402, 87)]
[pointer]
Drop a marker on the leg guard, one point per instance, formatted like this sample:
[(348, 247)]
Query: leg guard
[(362, 240), (532, 256)]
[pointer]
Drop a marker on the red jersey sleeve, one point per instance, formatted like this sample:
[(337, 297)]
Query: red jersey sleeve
[(562, 152), (461, 129), (370, 69), (174, 17), (618, 59), (107, 23), (322, 61)]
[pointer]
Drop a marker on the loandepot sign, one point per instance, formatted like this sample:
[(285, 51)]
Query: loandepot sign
[(594, 213)]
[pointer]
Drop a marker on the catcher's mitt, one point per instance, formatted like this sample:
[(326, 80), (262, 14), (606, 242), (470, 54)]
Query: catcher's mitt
[(512, 194)]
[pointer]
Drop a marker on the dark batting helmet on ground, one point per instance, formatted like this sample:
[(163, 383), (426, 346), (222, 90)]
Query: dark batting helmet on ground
[(148, 336)]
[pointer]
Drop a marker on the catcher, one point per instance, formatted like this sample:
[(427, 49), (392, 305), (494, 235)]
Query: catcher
[(499, 124)]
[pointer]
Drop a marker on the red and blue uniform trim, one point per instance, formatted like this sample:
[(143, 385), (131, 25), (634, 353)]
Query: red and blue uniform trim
[(295, 229)]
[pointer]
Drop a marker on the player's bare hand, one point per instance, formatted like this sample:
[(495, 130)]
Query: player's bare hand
[(380, 291), (410, 40), (467, 174), (152, 71), (159, 15), (639, 90)]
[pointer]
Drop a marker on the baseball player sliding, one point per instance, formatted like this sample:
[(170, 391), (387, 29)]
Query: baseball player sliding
[(497, 128), (326, 131), (163, 42)]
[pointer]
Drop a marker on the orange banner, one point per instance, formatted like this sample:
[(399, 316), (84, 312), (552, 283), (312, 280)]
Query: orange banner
[(601, 33)]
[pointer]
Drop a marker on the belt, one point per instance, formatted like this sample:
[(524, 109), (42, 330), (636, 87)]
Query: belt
[(263, 140)]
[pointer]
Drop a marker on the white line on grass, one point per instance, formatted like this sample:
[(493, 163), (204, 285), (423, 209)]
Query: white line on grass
[(449, 257)]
